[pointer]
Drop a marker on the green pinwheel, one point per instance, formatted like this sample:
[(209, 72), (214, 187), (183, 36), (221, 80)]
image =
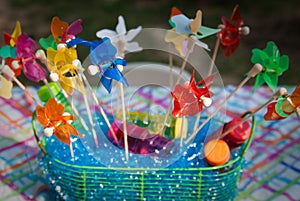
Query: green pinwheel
[(274, 65)]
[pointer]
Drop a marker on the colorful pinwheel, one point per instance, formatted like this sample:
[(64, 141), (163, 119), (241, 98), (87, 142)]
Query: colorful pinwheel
[(111, 68), (25, 48), (189, 99), (62, 31), (231, 31), (61, 65), (55, 122), (11, 39), (121, 38), (274, 65), (284, 107), (48, 42), (8, 51), (183, 27)]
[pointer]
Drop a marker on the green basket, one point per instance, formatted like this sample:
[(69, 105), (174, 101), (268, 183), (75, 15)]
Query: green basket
[(102, 183)]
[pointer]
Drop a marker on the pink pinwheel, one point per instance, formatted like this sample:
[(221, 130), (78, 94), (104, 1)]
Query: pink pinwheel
[(231, 31), (189, 99), (25, 48)]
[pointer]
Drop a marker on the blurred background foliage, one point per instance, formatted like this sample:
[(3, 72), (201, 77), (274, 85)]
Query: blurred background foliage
[(275, 20)]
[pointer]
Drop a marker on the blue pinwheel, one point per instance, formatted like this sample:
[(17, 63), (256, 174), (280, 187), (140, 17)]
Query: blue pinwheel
[(102, 54)]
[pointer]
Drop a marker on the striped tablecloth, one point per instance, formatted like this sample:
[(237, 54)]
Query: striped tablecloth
[(272, 170)]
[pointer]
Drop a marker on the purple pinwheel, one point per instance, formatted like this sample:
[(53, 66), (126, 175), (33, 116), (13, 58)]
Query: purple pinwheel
[(25, 48)]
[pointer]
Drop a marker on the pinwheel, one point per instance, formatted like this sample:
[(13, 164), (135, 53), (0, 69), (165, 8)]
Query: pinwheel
[(25, 48), (62, 31), (48, 42), (257, 68), (187, 26), (231, 31), (62, 69), (56, 122), (8, 51), (274, 65), (189, 99), (111, 68), (11, 39), (121, 38), (183, 27), (284, 107)]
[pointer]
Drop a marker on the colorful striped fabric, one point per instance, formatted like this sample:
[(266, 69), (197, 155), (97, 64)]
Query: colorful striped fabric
[(271, 172)]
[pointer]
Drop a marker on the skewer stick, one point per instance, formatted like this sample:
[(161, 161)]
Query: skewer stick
[(252, 73), (87, 106), (214, 56), (49, 88), (181, 131), (71, 150), (99, 107), (124, 120), (171, 67), (280, 92), (73, 107), (197, 121), (24, 89), (10, 74)]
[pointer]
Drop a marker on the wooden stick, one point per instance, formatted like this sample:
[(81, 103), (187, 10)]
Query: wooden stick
[(49, 88), (252, 73), (181, 131), (87, 106), (280, 92), (73, 107), (214, 56), (171, 67), (124, 120), (71, 150), (99, 107), (24, 89), (197, 121)]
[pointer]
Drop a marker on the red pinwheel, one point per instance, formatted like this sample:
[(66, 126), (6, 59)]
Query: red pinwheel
[(284, 106), (26, 58), (62, 31), (231, 31), (189, 99)]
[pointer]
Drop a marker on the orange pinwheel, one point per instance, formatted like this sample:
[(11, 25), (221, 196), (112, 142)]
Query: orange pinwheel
[(62, 31), (51, 117)]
